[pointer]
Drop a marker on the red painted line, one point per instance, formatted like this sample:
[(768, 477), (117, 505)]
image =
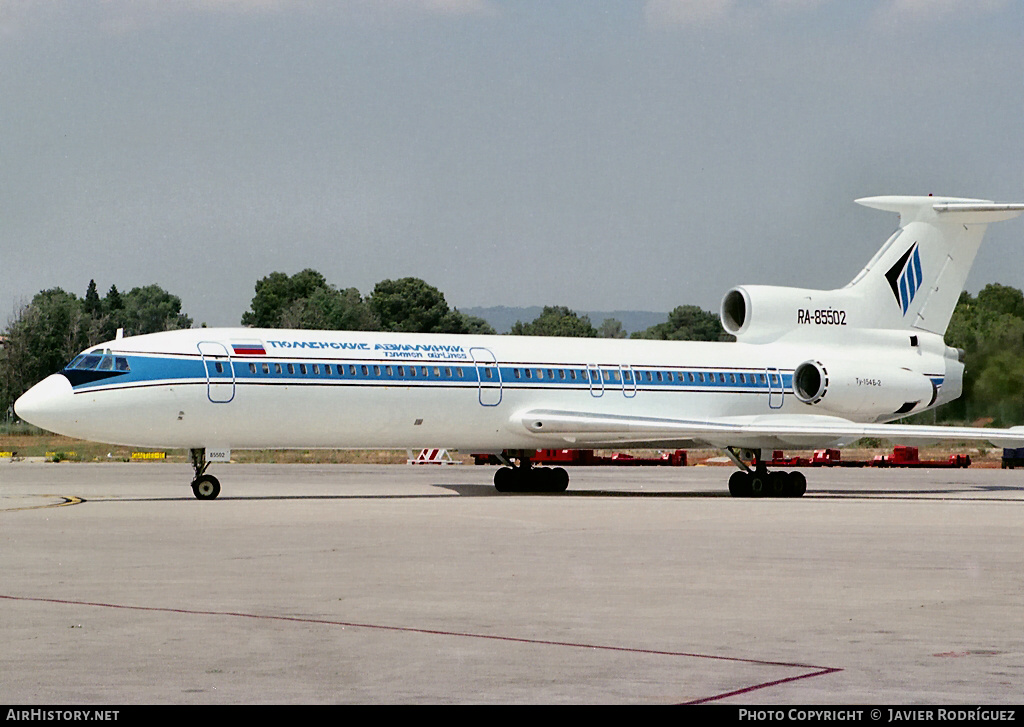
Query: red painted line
[(753, 688), (816, 670)]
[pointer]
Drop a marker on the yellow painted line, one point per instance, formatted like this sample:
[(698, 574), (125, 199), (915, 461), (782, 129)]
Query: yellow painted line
[(65, 501)]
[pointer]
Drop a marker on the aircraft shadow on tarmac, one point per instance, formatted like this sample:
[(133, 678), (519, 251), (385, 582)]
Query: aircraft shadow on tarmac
[(973, 493)]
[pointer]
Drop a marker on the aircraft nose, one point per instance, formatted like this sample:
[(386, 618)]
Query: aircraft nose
[(46, 404)]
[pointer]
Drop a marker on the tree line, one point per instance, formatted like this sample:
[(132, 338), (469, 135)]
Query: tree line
[(43, 335)]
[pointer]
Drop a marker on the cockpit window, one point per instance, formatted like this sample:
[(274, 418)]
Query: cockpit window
[(99, 360)]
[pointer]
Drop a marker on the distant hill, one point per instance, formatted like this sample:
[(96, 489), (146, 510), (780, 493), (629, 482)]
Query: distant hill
[(502, 318)]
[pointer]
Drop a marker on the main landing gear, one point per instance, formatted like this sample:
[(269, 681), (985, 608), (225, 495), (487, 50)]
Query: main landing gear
[(204, 486), (526, 478), (759, 482)]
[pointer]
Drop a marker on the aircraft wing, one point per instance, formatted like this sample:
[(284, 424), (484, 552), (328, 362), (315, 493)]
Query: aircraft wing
[(805, 431)]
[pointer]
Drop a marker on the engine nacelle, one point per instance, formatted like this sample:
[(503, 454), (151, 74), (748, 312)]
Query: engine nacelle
[(761, 313), (863, 390)]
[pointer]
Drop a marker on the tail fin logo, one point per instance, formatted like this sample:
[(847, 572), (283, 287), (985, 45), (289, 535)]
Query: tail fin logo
[(905, 278)]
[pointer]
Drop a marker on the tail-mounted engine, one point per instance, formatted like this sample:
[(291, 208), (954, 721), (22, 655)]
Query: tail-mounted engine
[(863, 390), (762, 313)]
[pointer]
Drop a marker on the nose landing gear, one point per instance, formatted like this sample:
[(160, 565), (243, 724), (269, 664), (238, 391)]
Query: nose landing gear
[(204, 486)]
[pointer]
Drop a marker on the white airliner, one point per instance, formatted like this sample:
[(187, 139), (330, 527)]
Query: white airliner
[(810, 368)]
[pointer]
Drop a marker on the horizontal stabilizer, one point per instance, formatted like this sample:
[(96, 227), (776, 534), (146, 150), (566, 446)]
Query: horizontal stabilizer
[(944, 209)]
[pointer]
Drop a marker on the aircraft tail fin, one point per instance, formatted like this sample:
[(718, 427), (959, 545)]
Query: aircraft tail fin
[(915, 280)]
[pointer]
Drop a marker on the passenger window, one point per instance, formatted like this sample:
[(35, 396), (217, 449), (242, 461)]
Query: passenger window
[(700, 376), (540, 373), (291, 368), (302, 369), (277, 368), (721, 378), (459, 372), (423, 370), (252, 368), (401, 370), (366, 371), (376, 370), (447, 372), (218, 367), (490, 374), (515, 372), (351, 370), (389, 370), (572, 374), (265, 367)]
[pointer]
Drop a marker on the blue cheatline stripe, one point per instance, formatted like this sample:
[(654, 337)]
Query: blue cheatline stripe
[(152, 370)]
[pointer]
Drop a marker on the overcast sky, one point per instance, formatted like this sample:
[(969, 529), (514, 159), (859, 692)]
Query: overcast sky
[(601, 155)]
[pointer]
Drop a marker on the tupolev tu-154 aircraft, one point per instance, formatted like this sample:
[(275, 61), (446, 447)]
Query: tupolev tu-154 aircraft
[(809, 368)]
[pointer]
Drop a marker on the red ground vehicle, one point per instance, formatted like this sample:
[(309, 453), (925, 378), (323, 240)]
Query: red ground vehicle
[(565, 457)]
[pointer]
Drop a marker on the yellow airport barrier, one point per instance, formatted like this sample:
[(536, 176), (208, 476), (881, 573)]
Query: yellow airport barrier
[(149, 455)]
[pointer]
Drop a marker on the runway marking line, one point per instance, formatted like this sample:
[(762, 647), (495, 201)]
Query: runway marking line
[(65, 501), (816, 671)]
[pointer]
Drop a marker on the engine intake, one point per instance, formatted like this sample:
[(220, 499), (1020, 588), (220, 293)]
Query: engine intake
[(863, 389), (810, 382), (762, 313)]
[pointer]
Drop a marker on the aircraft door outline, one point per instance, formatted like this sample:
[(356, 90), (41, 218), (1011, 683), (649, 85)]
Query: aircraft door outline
[(220, 373), (628, 380), (594, 375), (776, 392), (488, 376)]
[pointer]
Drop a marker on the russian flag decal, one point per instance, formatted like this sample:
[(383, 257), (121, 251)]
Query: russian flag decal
[(249, 348)]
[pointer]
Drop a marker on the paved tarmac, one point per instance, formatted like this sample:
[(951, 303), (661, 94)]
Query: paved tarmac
[(404, 584)]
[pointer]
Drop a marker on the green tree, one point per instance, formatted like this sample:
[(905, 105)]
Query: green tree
[(151, 309), (1002, 299), (990, 330), (476, 325), (687, 323), (556, 320), (92, 305), (328, 308), (276, 293), (411, 305), (611, 328), (40, 339)]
